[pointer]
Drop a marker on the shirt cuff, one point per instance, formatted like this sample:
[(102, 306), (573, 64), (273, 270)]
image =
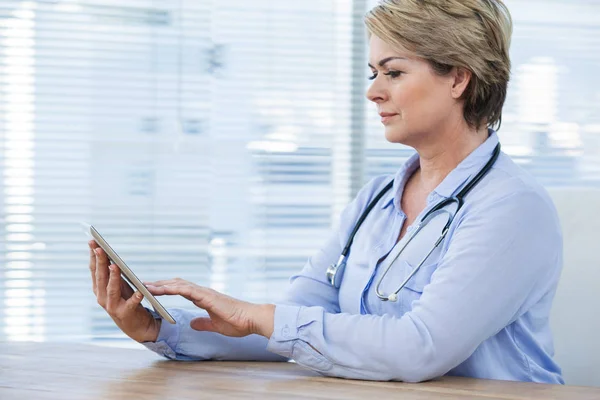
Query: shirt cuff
[(168, 337), (285, 330)]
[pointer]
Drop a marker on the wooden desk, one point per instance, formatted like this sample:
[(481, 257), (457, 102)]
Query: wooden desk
[(75, 371)]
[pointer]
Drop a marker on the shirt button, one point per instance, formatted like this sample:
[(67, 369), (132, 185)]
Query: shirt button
[(285, 332)]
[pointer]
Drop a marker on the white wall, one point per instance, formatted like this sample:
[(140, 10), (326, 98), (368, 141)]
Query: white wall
[(576, 313)]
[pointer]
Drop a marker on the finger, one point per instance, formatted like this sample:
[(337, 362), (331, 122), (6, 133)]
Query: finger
[(203, 324), (199, 295), (113, 289), (167, 282), (126, 289), (134, 301), (161, 290), (174, 288), (101, 275), (93, 268)]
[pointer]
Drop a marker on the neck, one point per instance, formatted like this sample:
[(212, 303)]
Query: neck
[(440, 158)]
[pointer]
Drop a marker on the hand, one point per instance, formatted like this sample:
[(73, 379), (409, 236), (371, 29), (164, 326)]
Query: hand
[(228, 316), (119, 300)]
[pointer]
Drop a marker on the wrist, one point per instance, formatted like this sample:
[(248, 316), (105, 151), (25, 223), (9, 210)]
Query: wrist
[(264, 320), (156, 330), (152, 331)]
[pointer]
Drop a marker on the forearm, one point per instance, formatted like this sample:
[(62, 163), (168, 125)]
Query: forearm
[(181, 342), (348, 346)]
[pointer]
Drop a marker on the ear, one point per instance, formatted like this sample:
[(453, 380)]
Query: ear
[(460, 80)]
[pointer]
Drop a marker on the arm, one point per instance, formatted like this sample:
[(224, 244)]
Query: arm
[(182, 342), (499, 262), (308, 288)]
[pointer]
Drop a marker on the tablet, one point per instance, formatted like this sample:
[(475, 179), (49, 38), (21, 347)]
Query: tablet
[(128, 274)]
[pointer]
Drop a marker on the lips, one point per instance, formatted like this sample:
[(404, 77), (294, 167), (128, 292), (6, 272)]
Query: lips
[(386, 117)]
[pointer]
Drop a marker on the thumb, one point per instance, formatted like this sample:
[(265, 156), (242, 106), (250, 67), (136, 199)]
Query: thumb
[(202, 324), (134, 301)]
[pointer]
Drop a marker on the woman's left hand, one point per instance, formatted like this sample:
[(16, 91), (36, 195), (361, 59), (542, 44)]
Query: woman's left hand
[(228, 316)]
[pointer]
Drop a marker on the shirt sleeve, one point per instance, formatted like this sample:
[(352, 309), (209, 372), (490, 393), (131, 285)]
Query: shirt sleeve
[(180, 342), (501, 259), (308, 288)]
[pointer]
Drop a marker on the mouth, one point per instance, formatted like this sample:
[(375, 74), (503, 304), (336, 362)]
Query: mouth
[(387, 117)]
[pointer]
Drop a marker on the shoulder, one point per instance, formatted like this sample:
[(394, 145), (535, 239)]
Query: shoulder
[(365, 195), (512, 217), (373, 187), (510, 192)]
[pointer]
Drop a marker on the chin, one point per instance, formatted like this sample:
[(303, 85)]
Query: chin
[(397, 135)]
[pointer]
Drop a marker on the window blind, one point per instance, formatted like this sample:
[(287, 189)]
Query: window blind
[(200, 138), (219, 141)]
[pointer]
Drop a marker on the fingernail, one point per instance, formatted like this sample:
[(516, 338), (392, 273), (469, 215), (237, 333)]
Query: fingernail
[(138, 296), (97, 251)]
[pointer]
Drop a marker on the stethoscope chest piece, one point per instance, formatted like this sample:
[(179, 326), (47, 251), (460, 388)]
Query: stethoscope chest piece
[(335, 272)]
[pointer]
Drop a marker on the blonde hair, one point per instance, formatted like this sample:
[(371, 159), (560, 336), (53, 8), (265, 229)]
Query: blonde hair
[(472, 34)]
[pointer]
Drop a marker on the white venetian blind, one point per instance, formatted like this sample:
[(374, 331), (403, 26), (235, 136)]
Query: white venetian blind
[(218, 141), (206, 140)]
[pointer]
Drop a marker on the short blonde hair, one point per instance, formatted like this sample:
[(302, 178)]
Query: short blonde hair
[(472, 34)]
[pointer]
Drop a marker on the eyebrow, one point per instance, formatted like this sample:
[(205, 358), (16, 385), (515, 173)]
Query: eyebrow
[(386, 60)]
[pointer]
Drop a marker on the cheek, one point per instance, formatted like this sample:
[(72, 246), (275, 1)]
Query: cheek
[(418, 101)]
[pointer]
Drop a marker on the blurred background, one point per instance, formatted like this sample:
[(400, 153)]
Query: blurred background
[(219, 141)]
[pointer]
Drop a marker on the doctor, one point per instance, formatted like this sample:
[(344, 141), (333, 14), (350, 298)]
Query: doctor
[(465, 289)]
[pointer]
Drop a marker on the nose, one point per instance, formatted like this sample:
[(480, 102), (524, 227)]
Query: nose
[(376, 93)]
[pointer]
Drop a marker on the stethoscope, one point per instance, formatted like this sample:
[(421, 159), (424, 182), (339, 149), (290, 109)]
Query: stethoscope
[(336, 271)]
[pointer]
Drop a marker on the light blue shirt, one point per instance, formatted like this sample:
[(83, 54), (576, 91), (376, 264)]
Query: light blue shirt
[(478, 307)]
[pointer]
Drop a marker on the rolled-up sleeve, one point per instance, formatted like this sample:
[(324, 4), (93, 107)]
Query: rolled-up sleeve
[(499, 261)]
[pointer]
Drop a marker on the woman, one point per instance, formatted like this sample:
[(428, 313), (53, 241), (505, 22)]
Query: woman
[(477, 305)]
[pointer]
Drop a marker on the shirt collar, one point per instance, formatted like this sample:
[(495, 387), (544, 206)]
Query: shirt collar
[(455, 180), (395, 194)]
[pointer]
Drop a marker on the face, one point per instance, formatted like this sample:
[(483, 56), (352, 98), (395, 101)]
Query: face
[(413, 101)]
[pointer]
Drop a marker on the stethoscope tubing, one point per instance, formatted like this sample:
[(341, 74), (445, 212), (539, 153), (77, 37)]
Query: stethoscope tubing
[(335, 271)]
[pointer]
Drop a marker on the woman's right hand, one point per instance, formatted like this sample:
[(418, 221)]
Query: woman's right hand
[(119, 300)]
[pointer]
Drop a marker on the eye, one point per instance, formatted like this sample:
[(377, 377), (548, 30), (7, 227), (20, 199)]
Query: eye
[(392, 74)]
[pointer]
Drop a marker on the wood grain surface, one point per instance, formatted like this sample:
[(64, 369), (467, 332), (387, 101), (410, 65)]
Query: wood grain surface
[(78, 371)]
